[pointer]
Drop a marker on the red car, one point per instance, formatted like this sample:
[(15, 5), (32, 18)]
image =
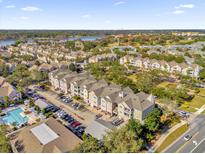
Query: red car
[(75, 124)]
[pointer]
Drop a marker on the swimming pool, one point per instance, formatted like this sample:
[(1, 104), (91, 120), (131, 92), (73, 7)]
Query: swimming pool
[(14, 116)]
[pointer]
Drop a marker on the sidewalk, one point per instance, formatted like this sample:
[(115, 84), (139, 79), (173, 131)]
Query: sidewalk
[(165, 135)]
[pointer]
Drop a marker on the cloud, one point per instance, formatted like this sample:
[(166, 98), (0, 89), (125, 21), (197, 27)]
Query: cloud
[(31, 9), (178, 12), (187, 6), (120, 3), (86, 16), (10, 6), (24, 18)]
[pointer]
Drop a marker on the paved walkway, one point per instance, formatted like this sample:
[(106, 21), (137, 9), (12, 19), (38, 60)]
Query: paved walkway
[(164, 135)]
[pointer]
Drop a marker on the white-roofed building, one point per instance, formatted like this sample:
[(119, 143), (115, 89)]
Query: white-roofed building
[(44, 134), (41, 103)]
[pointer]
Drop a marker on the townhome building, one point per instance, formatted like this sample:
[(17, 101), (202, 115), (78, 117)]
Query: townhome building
[(96, 95), (110, 102), (98, 58), (192, 70), (83, 85), (88, 96), (56, 76), (75, 84), (65, 82), (136, 106), (109, 98)]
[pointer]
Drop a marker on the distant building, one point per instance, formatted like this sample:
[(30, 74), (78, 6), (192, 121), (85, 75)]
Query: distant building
[(98, 58), (192, 70), (46, 67)]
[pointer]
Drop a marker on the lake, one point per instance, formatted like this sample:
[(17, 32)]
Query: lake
[(84, 38), (6, 42)]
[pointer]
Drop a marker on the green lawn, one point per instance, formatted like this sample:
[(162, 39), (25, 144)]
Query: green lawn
[(203, 112), (132, 77), (191, 106), (202, 91), (167, 84), (172, 137)]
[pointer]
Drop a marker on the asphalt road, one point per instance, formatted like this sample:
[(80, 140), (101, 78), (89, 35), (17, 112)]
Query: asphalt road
[(200, 148), (197, 130)]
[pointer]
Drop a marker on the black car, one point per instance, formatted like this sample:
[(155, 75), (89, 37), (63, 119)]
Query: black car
[(67, 117), (49, 108), (80, 129), (55, 109), (70, 120)]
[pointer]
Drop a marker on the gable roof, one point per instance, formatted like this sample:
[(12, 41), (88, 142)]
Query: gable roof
[(139, 101)]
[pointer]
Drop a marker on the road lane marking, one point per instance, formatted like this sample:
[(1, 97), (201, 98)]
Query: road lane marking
[(186, 142), (197, 145)]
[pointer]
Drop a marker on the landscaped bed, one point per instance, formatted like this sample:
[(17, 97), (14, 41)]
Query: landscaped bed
[(172, 137)]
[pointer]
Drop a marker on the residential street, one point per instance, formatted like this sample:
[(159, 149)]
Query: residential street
[(197, 130)]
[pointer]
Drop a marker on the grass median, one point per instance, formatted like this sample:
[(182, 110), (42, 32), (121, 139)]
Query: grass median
[(172, 137)]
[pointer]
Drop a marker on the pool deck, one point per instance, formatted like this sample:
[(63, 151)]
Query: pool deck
[(12, 108), (32, 117)]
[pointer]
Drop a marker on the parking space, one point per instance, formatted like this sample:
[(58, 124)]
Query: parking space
[(65, 117), (71, 123), (78, 112)]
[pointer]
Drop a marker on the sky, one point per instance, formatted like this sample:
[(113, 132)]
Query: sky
[(102, 14)]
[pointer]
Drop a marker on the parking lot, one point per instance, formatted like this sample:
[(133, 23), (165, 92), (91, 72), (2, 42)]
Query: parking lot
[(81, 114), (60, 114), (85, 114)]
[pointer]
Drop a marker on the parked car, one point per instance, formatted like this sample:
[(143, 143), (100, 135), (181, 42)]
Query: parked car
[(80, 129), (98, 116), (55, 109), (70, 120), (67, 117), (75, 124), (183, 114), (117, 122), (187, 137)]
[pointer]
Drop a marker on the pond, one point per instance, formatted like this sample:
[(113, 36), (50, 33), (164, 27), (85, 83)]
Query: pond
[(6, 42)]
